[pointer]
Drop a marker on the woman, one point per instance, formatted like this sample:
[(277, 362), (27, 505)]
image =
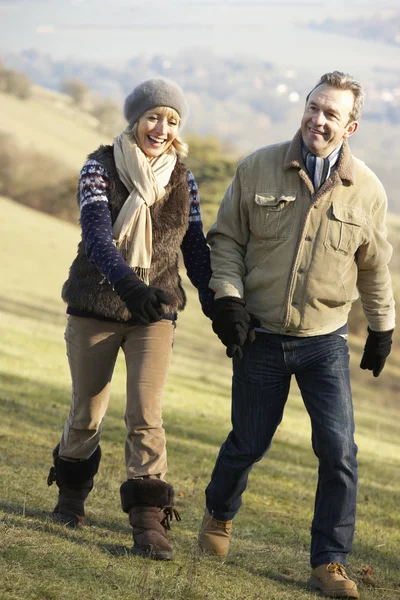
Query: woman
[(139, 205)]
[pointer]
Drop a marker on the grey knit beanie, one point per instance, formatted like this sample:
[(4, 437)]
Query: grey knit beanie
[(159, 91)]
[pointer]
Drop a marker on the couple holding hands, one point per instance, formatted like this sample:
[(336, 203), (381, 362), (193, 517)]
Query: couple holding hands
[(300, 233)]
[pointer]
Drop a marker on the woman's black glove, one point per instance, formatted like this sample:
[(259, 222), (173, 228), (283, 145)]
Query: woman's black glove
[(142, 301), (233, 324), (376, 350)]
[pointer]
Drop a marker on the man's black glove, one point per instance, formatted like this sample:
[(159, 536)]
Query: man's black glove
[(142, 301), (376, 350), (233, 324)]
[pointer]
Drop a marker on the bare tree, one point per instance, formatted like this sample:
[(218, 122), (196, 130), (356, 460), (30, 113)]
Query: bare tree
[(77, 89), (15, 82), (110, 117)]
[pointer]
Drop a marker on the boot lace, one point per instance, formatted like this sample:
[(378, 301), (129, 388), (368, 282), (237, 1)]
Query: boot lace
[(51, 476), (337, 568), (221, 525), (169, 513)]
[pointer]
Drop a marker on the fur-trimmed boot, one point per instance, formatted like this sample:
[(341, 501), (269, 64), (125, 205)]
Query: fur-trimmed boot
[(75, 481), (149, 504)]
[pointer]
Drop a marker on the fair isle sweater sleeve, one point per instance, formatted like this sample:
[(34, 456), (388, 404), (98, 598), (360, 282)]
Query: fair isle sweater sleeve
[(195, 251), (96, 223)]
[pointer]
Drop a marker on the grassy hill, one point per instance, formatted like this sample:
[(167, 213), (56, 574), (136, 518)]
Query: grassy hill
[(50, 123), (40, 560)]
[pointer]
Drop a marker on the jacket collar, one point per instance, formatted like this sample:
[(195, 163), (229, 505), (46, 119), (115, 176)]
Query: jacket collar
[(345, 167)]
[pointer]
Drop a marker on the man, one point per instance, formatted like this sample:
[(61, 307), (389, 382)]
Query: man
[(299, 234)]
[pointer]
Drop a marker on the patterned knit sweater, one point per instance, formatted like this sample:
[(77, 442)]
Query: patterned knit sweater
[(96, 223)]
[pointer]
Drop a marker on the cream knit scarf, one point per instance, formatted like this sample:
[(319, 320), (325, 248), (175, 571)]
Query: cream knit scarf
[(145, 181)]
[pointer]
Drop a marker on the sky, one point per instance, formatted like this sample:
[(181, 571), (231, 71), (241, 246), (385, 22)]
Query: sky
[(113, 32)]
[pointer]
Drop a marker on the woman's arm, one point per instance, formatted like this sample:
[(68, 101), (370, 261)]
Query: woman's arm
[(96, 222), (196, 253)]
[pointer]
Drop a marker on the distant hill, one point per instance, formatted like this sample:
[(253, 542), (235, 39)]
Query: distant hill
[(383, 28)]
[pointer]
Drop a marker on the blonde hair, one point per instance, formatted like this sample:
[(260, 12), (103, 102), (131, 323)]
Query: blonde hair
[(180, 146)]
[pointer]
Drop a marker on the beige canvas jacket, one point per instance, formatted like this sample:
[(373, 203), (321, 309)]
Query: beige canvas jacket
[(300, 258)]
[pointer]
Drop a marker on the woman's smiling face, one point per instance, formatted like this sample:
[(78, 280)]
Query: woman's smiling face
[(157, 129)]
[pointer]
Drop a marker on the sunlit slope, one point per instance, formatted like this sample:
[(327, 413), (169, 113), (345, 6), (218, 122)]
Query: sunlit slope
[(36, 251), (49, 122)]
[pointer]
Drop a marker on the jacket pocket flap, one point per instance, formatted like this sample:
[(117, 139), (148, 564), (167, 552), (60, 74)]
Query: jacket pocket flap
[(287, 198), (347, 214), (272, 199)]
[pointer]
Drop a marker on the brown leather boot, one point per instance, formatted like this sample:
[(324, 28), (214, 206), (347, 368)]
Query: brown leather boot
[(331, 579), (149, 503), (214, 536), (75, 481)]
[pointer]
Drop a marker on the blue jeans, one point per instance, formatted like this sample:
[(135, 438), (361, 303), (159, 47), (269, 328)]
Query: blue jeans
[(260, 388)]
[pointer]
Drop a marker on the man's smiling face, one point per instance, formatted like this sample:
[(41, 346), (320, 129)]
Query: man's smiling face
[(326, 119)]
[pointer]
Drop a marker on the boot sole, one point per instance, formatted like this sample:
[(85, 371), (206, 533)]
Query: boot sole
[(212, 551), (153, 554), (67, 520), (315, 584)]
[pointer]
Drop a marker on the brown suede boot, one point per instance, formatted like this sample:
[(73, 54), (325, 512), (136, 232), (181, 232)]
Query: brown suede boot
[(75, 482), (149, 503), (214, 536), (331, 579)]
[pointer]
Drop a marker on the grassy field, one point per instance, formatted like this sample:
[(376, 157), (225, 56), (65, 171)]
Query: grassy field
[(41, 560), (50, 123)]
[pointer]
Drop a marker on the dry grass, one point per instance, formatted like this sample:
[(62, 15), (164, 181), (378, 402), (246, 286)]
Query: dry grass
[(49, 123)]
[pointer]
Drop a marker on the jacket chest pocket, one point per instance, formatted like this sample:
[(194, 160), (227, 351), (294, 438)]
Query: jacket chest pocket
[(344, 228), (272, 215)]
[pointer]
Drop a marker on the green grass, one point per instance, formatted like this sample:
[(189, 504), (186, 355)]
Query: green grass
[(41, 560)]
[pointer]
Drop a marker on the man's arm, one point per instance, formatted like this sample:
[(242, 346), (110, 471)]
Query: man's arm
[(228, 239), (374, 281), (375, 287)]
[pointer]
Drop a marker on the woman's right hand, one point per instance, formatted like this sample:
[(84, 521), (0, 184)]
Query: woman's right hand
[(143, 302)]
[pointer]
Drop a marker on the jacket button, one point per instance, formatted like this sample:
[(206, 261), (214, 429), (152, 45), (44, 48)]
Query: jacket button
[(301, 271), (308, 238)]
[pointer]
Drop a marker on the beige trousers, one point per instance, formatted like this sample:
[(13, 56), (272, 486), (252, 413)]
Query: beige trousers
[(92, 349)]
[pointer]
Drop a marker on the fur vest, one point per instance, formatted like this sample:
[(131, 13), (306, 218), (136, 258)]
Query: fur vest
[(86, 289)]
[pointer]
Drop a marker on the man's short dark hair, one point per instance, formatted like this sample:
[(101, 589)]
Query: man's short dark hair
[(343, 81)]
